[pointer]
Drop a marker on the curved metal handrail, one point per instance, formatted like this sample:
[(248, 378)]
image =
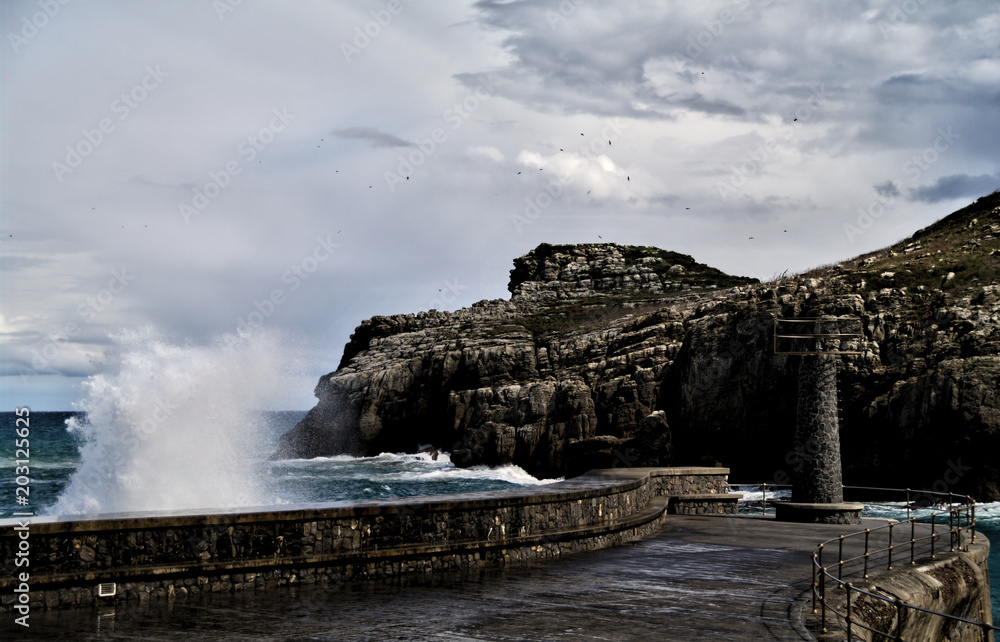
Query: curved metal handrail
[(961, 536)]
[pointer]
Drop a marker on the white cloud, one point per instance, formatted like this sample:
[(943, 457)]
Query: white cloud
[(486, 151)]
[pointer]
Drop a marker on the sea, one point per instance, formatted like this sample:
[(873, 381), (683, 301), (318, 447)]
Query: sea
[(81, 463), (76, 466)]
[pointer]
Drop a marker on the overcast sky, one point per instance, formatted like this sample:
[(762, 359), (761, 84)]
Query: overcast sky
[(182, 165)]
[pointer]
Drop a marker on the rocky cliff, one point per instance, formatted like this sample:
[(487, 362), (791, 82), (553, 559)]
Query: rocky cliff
[(610, 355)]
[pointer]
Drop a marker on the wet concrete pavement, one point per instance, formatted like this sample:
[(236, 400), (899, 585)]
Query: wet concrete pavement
[(697, 578)]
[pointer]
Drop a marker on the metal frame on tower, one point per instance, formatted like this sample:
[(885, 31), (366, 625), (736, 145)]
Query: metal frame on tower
[(825, 329)]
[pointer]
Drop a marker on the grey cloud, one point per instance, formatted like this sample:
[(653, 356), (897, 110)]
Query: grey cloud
[(888, 188), (13, 263), (955, 186), (374, 136)]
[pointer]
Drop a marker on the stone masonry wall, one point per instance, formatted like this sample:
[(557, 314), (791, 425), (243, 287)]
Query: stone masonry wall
[(170, 555)]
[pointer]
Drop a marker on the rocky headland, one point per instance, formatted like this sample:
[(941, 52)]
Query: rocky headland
[(609, 355)]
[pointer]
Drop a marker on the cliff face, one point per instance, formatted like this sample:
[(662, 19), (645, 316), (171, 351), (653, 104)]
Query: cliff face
[(610, 355)]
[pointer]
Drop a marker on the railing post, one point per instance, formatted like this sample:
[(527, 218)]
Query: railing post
[(889, 549), (822, 589), (840, 559), (868, 532), (763, 499), (913, 539), (933, 534), (815, 585), (951, 526), (907, 503), (973, 521), (848, 587)]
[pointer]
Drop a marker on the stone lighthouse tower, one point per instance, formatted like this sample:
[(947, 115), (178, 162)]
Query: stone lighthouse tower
[(817, 478)]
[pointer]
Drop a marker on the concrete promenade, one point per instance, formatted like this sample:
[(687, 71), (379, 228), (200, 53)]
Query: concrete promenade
[(696, 578)]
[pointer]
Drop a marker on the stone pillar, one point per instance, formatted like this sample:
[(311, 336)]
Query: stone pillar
[(817, 477)]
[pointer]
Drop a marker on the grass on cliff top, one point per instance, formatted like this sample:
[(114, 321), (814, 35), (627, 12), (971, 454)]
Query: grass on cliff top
[(695, 274), (966, 243)]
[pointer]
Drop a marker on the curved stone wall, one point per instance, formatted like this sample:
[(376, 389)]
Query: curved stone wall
[(148, 555)]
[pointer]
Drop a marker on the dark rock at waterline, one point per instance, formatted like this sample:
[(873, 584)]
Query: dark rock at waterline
[(610, 355)]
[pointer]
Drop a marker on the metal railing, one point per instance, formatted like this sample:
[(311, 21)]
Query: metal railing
[(960, 537)]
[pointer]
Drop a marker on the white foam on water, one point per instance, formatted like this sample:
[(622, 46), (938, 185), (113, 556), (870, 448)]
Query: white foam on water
[(412, 467), (175, 427)]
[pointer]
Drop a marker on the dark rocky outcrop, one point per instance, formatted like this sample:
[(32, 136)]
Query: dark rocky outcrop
[(610, 355)]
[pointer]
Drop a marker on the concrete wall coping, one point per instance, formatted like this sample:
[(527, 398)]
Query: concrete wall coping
[(701, 497)]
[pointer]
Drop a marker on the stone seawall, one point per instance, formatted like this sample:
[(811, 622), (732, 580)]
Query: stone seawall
[(159, 555)]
